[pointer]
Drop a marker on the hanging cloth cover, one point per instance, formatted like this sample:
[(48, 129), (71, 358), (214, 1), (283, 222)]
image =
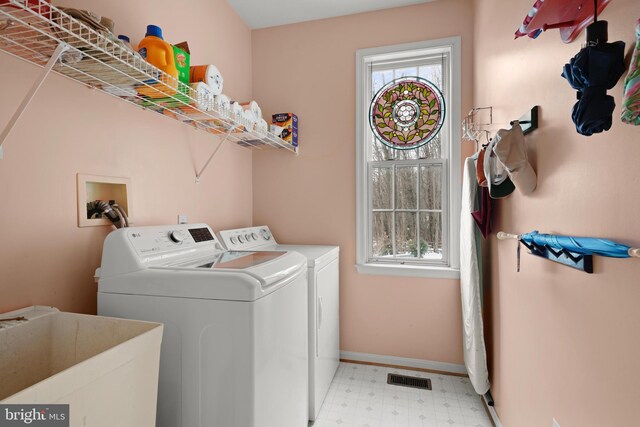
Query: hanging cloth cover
[(407, 113), (593, 71), (473, 345), (579, 245), (482, 216), (570, 16), (631, 100)]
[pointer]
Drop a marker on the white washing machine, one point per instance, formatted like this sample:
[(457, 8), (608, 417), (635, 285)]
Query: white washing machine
[(234, 349), (323, 306)]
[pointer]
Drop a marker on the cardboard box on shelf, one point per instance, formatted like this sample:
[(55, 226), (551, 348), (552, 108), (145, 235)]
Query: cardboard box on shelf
[(289, 122), (182, 59)]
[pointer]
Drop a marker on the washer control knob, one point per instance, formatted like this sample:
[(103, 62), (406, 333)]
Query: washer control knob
[(234, 240), (240, 239), (266, 235), (247, 237), (176, 236), (254, 236)]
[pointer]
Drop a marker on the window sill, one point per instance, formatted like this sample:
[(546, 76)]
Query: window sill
[(409, 271)]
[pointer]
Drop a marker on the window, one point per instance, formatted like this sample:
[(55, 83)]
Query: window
[(408, 201)]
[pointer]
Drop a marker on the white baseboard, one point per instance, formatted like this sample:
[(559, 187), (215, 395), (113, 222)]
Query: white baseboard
[(492, 413), (404, 361)]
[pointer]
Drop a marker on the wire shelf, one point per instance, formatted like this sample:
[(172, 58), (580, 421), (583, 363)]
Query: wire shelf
[(32, 30)]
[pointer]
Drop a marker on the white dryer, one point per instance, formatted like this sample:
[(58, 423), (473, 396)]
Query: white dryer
[(234, 350), (323, 304)]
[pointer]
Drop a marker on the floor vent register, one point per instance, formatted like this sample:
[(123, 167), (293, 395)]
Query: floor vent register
[(406, 381)]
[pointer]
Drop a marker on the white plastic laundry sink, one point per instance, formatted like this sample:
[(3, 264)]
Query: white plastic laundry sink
[(106, 369)]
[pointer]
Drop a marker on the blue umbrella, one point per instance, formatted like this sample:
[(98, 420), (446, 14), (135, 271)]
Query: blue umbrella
[(579, 245)]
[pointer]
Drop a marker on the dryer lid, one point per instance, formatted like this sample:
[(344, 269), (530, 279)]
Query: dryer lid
[(317, 255)]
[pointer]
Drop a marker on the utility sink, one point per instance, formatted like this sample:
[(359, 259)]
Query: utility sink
[(106, 369)]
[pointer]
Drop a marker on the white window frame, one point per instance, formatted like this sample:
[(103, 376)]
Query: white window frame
[(450, 269)]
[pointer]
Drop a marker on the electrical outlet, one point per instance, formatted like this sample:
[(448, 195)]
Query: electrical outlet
[(182, 219), (555, 423)]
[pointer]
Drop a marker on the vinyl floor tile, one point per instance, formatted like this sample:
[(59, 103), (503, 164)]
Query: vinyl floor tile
[(360, 397)]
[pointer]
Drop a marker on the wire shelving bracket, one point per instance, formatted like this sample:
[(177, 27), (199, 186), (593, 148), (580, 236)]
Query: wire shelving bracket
[(62, 47)]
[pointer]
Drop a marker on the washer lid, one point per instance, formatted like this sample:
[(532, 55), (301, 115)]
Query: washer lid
[(187, 261), (194, 278)]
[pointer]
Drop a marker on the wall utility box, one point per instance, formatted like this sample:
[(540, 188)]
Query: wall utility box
[(106, 188)]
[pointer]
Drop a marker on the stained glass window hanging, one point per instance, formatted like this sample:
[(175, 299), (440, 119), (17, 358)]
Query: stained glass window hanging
[(407, 113)]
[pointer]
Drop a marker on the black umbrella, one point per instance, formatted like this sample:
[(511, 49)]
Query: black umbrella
[(593, 71)]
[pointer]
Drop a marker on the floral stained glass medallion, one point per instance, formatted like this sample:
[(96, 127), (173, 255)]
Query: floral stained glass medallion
[(407, 113)]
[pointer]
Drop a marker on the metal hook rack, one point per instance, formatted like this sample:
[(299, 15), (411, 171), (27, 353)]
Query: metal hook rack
[(472, 126), (580, 261), (562, 256), (528, 121)]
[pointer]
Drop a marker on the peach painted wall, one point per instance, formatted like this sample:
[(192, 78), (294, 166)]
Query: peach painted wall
[(309, 69), (563, 344), (44, 257)]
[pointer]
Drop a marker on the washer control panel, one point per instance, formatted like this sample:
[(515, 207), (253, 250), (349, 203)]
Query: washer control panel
[(156, 240), (247, 238)]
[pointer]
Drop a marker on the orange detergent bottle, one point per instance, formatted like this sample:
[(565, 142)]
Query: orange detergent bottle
[(160, 54)]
